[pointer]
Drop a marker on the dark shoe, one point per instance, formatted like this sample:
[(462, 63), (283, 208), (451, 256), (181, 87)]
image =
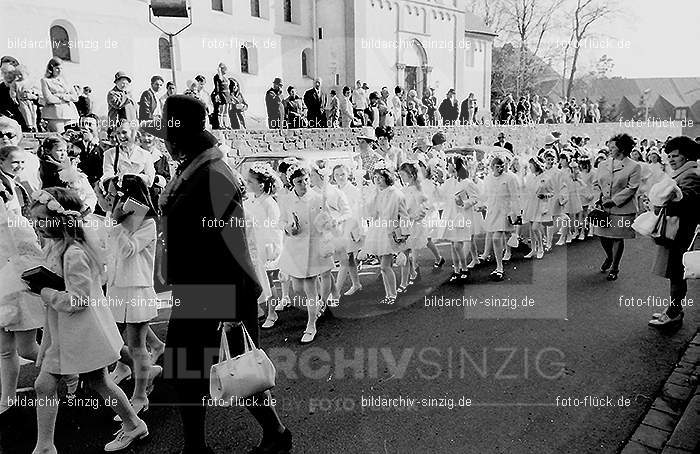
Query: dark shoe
[(454, 277), (281, 444), (401, 289), (606, 265), (496, 276), (439, 264), (612, 275), (464, 275)]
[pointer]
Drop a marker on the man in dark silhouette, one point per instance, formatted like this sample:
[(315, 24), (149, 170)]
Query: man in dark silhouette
[(316, 102)]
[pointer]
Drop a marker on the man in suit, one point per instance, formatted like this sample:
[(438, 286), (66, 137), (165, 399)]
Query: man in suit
[(316, 102), (501, 142), (208, 264), (149, 104), (274, 101)]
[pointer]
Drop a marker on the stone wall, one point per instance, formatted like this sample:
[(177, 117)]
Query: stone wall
[(523, 138)]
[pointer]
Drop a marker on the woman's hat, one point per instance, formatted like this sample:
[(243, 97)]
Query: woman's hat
[(121, 75)]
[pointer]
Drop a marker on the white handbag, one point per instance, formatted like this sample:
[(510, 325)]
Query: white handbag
[(691, 260), (248, 373), (645, 223)]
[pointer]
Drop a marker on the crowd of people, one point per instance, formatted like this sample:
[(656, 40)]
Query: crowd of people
[(300, 222), (536, 110), (56, 103)]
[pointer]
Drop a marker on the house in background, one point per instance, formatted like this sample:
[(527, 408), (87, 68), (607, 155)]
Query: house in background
[(672, 98)]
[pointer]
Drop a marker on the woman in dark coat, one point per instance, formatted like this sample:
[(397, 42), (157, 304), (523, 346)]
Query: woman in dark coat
[(210, 270), (683, 153), (238, 106)]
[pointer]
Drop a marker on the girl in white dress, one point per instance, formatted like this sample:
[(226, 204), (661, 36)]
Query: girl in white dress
[(303, 218), (432, 219), (21, 312), (460, 196), (574, 206), (387, 215), (418, 208), (262, 221), (132, 247), (80, 336), (501, 193), (284, 192), (538, 191), (559, 201), (337, 207), (353, 232), (516, 173), (585, 178)]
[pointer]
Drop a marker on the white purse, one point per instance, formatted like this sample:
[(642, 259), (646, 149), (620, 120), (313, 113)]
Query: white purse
[(645, 223), (691, 260), (248, 373)]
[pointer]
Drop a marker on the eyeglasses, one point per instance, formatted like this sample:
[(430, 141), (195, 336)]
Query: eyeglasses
[(9, 135)]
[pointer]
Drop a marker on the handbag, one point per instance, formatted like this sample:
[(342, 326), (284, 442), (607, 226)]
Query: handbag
[(598, 214), (666, 228), (645, 223), (249, 373), (691, 259)]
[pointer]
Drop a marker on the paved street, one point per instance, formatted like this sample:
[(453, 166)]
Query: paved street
[(482, 385)]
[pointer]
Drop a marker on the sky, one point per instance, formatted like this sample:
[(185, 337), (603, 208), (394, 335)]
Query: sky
[(653, 38)]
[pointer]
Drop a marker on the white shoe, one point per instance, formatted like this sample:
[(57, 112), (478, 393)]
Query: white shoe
[(561, 242), (120, 373), (284, 302), (506, 256), (269, 323), (125, 439), (353, 290), (664, 320), (581, 236), (152, 375), (308, 337), (529, 255), (540, 254)]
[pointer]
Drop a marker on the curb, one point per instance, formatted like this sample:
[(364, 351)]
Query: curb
[(672, 424)]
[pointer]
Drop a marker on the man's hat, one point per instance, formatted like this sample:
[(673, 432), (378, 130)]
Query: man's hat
[(182, 116), (277, 80), (121, 75), (500, 134)]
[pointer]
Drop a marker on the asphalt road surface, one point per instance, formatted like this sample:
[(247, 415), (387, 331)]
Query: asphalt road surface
[(555, 359)]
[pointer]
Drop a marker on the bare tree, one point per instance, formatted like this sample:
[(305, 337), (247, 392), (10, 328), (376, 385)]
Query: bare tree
[(491, 12), (584, 17), (529, 22)]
